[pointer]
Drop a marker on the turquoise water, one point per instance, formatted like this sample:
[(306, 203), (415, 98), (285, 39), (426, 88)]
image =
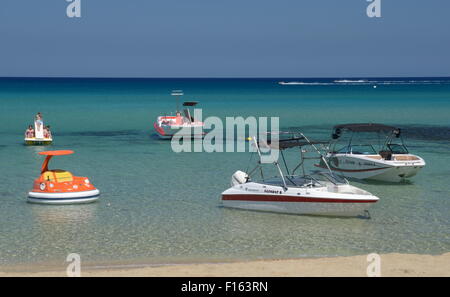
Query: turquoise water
[(160, 207)]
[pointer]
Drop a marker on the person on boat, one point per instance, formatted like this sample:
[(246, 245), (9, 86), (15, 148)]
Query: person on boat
[(178, 118), (38, 121), (29, 133), (47, 132)]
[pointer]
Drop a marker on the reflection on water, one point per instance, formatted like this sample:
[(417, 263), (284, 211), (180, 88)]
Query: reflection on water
[(48, 216), (36, 149)]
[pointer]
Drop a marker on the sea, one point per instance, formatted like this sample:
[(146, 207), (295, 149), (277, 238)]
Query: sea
[(161, 207)]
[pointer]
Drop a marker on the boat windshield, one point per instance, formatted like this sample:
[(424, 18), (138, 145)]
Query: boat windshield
[(360, 149), (397, 148), (363, 149), (344, 150), (325, 176), (315, 179)]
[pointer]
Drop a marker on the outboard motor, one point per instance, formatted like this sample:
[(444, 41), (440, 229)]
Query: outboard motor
[(238, 178)]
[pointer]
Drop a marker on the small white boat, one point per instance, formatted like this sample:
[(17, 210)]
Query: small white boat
[(315, 193), (182, 124), (39, 137), (360, 160)]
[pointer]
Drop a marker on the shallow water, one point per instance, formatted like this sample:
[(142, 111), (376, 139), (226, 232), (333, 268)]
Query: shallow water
[(160, 207)]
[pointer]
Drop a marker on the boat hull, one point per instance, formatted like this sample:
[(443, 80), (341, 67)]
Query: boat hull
[(359, 167), (168, 131), (37, 141), (302, 204), (64, 198)]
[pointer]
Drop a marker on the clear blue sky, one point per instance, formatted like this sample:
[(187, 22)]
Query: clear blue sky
[(224, 38)]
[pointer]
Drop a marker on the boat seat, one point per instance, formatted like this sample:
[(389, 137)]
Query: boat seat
[(63, 176), (387, 155), (405, 158), (57, 175), (48, 176), (376, 157)]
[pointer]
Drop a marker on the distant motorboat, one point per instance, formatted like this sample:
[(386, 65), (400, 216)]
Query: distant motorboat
[(182, 123)]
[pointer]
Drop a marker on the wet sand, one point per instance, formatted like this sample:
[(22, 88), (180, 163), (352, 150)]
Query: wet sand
[(391, 265)]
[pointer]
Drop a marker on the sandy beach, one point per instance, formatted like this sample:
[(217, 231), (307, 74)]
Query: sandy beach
[(391, 265)]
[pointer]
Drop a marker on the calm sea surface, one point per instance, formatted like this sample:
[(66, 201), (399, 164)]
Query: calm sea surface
[(161, 207)]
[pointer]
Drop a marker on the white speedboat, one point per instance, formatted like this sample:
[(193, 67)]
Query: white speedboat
[(316, 193), (357, 158), (182, 123)]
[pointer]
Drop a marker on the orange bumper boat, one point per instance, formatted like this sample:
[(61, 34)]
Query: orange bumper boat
[(59, 186)]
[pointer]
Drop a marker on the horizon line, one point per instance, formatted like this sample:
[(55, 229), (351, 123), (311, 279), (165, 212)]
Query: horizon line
[(213, 77)]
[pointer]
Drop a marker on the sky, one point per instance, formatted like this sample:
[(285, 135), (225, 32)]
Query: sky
[(224, 38)]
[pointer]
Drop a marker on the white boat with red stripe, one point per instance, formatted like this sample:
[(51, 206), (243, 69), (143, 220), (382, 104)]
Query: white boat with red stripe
[(315, 193)]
